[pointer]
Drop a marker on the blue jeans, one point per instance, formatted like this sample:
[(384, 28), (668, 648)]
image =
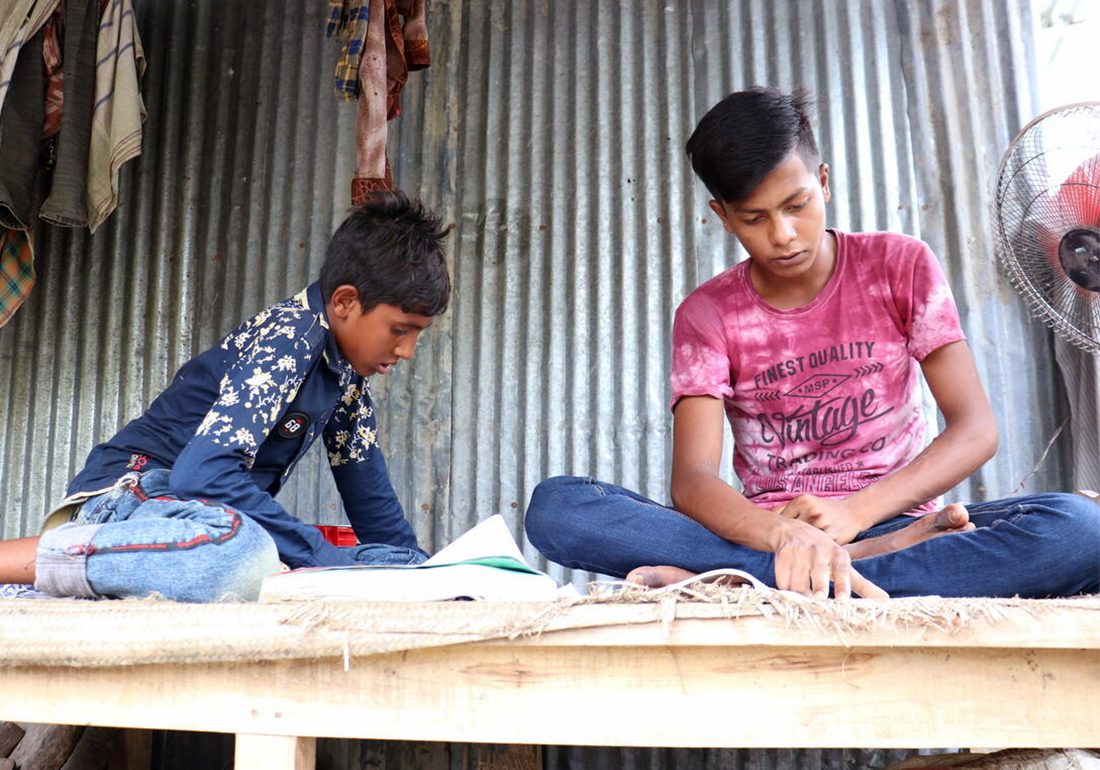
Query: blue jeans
[(139, 539), (1036, 546)]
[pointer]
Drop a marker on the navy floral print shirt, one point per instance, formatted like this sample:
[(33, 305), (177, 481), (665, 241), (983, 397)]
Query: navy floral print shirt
[(237, 418)]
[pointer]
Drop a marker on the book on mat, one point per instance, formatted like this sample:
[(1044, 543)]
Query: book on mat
[(484, 563)]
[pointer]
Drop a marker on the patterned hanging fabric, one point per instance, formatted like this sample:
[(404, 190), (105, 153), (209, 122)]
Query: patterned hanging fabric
[(20, 20), (118, 111), (55, 75), (22, 107), (16, 271), (71, 111), (384, 41), (350, 17)]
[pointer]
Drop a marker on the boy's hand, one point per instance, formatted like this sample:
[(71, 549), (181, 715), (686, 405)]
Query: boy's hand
[(807, 560), (836, 518)]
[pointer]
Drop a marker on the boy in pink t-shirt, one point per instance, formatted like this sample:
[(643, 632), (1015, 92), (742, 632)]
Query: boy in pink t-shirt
[(812, 349), (823, 398)]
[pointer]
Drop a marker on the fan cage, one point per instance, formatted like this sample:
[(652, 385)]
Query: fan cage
[(1049, 184)]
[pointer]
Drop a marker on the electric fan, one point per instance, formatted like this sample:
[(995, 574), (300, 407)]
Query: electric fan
[(1047, 217)]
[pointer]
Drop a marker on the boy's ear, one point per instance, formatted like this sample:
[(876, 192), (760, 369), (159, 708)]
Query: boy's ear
[(720, 210), (823, 171), (345, 300)]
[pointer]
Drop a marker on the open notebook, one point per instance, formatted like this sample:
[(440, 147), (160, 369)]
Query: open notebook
[(484, 563)]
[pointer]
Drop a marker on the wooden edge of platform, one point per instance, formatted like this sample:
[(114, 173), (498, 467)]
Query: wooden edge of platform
[(705, 624)]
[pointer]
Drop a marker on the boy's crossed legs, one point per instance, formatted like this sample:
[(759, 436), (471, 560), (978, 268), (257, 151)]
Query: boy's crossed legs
[(139, 539), (1035, 546), (951, 520)]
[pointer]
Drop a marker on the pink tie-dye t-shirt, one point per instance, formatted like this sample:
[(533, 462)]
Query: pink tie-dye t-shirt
[(822, 399)]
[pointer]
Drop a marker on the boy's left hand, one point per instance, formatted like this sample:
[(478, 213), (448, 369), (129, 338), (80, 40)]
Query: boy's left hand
[(836, 518)]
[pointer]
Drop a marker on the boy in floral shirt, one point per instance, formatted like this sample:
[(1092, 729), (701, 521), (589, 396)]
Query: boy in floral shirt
[(181, 501), (812, 350)]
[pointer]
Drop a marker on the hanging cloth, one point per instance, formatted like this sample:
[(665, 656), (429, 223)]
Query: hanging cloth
[(55, 75), (16, 271), (370, 127), (20, 21), (351, 17), (21, 137), (22, 86), (391, 51), (118, 111), (65, 205), (418, 55)]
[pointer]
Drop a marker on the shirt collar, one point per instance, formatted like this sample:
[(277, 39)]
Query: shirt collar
[(332, 355)]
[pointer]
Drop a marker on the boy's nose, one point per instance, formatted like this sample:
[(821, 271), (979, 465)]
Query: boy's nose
[(783, 231)]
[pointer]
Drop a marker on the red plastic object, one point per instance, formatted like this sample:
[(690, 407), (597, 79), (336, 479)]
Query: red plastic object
[(338, 535)]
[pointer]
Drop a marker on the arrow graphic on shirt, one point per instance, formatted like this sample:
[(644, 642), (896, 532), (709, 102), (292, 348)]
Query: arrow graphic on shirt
[(863, 371)]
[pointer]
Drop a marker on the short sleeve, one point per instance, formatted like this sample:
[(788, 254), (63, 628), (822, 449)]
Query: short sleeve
[(929, 315), (700, 352)]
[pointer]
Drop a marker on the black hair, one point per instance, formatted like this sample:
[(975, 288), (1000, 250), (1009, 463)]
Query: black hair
[(747, 135), (390, 249)]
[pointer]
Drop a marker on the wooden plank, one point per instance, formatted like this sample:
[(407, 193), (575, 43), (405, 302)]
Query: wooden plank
[(274, 752), (782, 697), (10, 735), (708, 625), (93, 749), (41, 634), (132, 750), (47, 746), (505, 758)]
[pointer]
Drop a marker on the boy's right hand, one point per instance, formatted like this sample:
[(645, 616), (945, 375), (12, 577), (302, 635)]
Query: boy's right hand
[(807, 560)]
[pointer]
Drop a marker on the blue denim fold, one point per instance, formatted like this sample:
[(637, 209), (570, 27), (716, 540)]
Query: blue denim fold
[(140, 539), (1037, 546)]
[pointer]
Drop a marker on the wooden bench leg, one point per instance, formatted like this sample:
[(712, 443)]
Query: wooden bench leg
[(274, 752), (132, 750)]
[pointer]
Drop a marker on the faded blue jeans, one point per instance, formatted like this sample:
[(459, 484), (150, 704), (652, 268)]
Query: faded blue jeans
[(1035, 546), (139, 539)]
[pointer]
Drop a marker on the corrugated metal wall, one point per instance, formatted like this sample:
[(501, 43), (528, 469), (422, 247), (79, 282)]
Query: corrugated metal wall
[(552, 135), (970, 80)]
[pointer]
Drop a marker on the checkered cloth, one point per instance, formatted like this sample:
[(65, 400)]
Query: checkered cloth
[(350, 17), (16, 271)]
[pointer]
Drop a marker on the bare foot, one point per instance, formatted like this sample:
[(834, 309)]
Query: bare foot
[(658, 577), (949, 521)]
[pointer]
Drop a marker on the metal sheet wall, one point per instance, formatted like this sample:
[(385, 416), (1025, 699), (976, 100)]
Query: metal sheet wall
[(970, 78), (552, 135)]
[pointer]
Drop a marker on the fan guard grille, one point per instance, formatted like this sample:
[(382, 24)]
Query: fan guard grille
[(1047, 219)]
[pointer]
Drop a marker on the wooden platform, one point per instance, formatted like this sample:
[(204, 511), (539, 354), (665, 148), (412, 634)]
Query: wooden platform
[(1027, 680)]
